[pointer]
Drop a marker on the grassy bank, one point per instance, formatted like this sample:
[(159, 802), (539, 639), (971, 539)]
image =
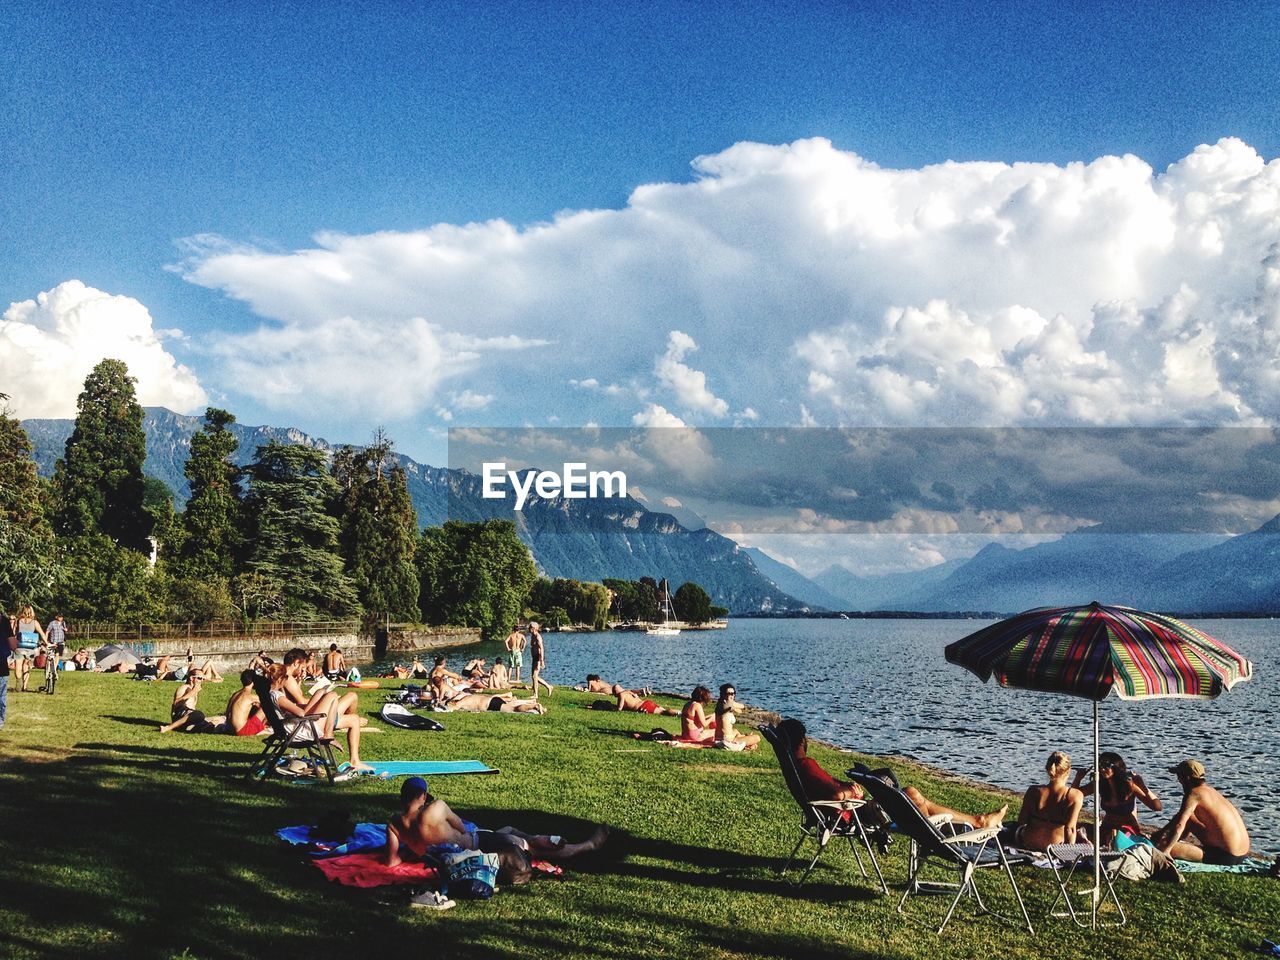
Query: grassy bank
[(120, 841)]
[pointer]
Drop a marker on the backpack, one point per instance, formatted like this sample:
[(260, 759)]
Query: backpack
[(472, 875)]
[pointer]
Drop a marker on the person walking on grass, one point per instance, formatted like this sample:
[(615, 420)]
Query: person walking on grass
[(30, 636), (7, 644), (537, 659)]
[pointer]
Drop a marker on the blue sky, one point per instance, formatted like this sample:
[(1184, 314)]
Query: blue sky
[(906, 214)]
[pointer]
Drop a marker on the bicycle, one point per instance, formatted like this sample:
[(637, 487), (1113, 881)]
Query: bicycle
[(50, 672)]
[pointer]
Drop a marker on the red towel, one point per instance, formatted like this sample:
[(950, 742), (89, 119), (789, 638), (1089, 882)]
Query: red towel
[(368, 870)]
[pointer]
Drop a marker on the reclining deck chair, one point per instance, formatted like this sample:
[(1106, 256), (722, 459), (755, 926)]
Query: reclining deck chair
[(820, 819), (966, 852), (304, 734)]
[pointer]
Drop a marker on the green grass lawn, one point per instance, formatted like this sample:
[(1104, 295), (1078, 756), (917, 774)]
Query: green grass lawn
[(123, 842)]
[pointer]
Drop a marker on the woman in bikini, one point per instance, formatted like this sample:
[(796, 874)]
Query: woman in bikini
[(727, 736), (1050, 811), (1119, 791), (694, 725)]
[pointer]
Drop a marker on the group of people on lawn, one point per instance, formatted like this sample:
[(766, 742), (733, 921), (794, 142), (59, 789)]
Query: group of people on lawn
[(1207, 827)]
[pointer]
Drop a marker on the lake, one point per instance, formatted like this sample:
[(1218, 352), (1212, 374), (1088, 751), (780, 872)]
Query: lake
[(882, 686)]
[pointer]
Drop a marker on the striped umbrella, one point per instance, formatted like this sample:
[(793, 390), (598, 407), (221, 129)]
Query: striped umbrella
[(1088, 651)]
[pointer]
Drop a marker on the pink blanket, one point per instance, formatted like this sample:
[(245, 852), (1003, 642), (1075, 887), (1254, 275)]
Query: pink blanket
[(368, 870)]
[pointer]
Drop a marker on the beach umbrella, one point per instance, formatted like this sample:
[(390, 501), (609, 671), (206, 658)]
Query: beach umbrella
[(1089, 651), (110, 655)]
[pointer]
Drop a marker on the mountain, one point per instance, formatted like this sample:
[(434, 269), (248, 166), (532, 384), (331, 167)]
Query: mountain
[(1240, 575), (792, 581), (881, 591), (582, 539)]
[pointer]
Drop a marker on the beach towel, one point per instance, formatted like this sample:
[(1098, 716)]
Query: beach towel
[(368, 870), (365, 836), (1254, 866), (387, 769)]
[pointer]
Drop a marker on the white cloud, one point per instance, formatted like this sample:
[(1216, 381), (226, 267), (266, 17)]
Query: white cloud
[(957, 293), (689, 385), (50, 344)]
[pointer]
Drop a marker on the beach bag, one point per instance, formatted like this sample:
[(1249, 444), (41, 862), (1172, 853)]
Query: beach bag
[(472, 875)]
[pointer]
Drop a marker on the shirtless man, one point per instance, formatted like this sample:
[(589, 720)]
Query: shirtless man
[(260, 663), (499, 679), (1209, 817), (183, 712), (440, 681), (323, 701), (515, 646), (596, 685), (425, 822), (335, 664), (244, 711), (627, 700), (495, 702), (476, 669)]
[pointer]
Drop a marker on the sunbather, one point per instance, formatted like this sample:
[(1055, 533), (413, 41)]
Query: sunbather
[(335, 664), (244, 711), (183, 713), (1050, 811), (1207, 816), (627, 700), (499, 677), (1119, 791), (325, 700), (820, 785), (728, 737), (495, 703), (320, 705), (595, 685), (425, 822)]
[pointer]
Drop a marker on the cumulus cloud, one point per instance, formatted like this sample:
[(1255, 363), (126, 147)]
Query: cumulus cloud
[(958, 293), (688, 385), (48, 346)]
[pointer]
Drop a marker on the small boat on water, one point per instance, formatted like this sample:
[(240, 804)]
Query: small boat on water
[(668, 614)]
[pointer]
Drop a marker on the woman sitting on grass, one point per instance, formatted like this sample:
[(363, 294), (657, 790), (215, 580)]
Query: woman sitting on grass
[(1050, 811), (694, 725), (727, 736), (1119, 791)]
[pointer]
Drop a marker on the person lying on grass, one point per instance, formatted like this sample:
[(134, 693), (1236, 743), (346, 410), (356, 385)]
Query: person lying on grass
[(629, 700), (495, 702), (595, 685), (426, 823), (820, 785), (326, 705)]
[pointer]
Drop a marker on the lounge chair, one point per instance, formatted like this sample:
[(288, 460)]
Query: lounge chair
[(966, 852), (820, 820), (300, 734)]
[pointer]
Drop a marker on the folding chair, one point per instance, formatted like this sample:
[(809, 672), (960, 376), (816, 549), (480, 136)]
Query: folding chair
[(966, 852), (299, 734), (820, 820), (1066, 859)]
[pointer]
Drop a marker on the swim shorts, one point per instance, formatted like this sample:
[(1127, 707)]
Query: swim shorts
[(495, 704), (252, 727), (1220, 857), (649, 707)]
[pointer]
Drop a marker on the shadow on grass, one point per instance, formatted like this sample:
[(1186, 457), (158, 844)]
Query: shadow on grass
[(132, 721)]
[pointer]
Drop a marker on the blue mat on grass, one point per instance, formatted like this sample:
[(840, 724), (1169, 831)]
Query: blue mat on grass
[(367, 836), (387, 769)]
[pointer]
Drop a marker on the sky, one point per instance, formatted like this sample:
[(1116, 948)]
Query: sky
[(428, 216)]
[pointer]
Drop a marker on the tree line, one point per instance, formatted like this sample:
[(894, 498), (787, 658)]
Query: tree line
[(294, 535)]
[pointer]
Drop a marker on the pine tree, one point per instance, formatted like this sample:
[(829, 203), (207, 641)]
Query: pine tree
[(212, 520), (294, 539), (28, 554), (99, 480), (379, 529)]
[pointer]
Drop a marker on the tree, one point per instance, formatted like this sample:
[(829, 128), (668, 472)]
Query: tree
[(212, 521), (474, 574), (692, 603), (633, 600), (99, 479), (294, 553), (379, 529), (28, 553), (102, 580)]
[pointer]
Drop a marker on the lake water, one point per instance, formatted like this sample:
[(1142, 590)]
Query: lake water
[(882, 686)]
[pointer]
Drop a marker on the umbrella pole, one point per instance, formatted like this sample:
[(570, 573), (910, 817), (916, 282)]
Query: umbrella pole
[(1097, 822)]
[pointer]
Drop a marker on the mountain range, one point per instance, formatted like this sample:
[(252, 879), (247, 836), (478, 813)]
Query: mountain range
[(623, 537)]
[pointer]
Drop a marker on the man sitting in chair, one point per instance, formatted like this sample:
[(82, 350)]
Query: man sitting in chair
[(820, 785)]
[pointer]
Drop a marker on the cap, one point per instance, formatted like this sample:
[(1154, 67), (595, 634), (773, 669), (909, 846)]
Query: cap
[(1191, 769)]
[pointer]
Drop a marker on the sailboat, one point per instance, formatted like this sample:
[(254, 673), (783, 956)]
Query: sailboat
[(668, 614)]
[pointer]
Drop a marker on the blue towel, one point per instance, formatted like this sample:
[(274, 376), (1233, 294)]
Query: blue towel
[(423, 768), (1253, 865), (366, 836)]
